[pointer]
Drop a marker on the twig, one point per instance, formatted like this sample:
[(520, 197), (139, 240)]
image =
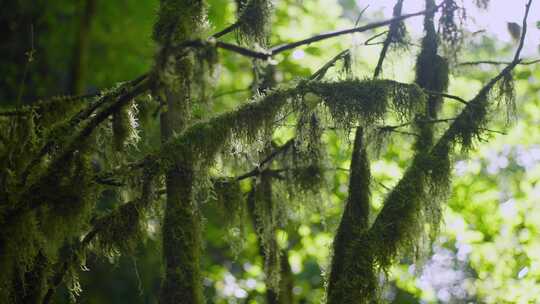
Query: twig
[(368, 41), (463, 101), (389, 38), (264, 55), (492, 62), (429, 121), (322, 71), (285, 47), (226, 30), (257, 170)]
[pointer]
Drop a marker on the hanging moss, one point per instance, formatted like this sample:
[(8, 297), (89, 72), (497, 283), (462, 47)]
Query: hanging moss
[(431, 74), (451, 22), (177, 20), (506, 92), (264, 214), (355, 101), (253, 20), (349, 100), (121, 128), (306, 156), (202, 141), (469, 124)]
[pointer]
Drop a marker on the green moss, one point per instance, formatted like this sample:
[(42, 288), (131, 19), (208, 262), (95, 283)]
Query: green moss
[(177, 20), (353, 276), (121, 128), (305, 159), (451, 22), (469, 125), (253, 20), (506, 92), (202, 141), (264, 212), (355, 101)]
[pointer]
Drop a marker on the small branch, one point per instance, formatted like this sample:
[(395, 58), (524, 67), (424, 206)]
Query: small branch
[(463, 101), (368, 41), (394, 27), (492, 62), (494, 131), (244, 51), (265, 55), (21, 112), (322, 71), (226, 30), (257, 170), (430, 121), (285, 47)]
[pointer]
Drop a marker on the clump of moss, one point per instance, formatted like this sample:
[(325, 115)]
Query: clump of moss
[(121, 128), (397, 33), (253, 20), (506, 92), (229, 198), (307, 153), (451, 22), (122, 229), (202, 141), (482, 3), (176, 19), (353, 101), (469, 125)]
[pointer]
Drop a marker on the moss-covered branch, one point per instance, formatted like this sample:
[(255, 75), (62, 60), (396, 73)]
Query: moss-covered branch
[(348, 100), (349, 281), (120, 229), (413, 202)]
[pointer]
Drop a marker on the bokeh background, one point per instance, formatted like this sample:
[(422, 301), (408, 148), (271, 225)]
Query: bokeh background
[(489, 247)]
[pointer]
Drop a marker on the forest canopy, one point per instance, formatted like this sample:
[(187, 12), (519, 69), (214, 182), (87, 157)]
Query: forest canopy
[(259, 151)]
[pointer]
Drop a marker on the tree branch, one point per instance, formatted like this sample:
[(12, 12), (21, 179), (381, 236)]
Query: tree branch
[(493, 62), (264, 55)]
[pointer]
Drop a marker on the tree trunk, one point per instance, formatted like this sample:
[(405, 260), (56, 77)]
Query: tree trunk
[(179, 21)]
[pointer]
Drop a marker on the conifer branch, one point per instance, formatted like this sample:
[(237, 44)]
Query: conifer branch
[(101, 226), (391, 228)]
